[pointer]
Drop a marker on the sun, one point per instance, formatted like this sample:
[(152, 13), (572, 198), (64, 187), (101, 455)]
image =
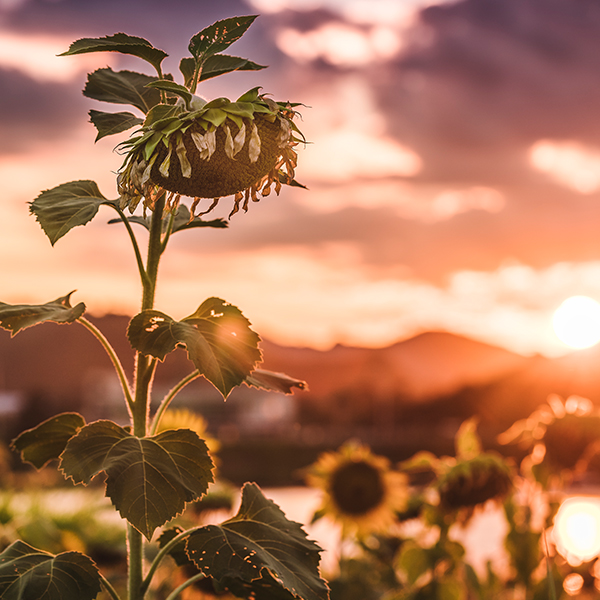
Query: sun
[(576, 322)]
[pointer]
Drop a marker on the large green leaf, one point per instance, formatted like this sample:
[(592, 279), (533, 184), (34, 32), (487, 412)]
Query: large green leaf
[(219, 64), (274, 382), (219, 36), (149, 480), (259, 553), (119, 42), (15, 317), (66, 206), (46, 441), (113, 123), (27, 574), (217, 337), (122, 87)]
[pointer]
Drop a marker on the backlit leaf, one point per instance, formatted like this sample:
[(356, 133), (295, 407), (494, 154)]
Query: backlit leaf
[(187, 66), (119, 42), (15, 317), (122, 87), (66, 206), (217, 337), (149, 480), (259, 553), (27, 573), (46, 441), (219, 64), (274, 382), (219, 36), (113, 123), (171, 87)]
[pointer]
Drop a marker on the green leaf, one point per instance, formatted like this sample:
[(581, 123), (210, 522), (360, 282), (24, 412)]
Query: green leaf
[(182, 221), (162, 112), (259, 553), (219, 64), (217, 337), (149, 480), (122, 87), (66, 206), (468, 444), (218, 36), (119, 42), (187, 66), (172, 87), (274, 382), (27, 573), (414, 561), (250, 95), (15, 317), (113, 123), (46, 441)]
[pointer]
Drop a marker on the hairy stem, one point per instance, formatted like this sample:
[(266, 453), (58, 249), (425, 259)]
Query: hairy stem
[(167, 400), (136, 248), (109, 588), (113, 357), (144, 372), (162, 553), (184, 585)]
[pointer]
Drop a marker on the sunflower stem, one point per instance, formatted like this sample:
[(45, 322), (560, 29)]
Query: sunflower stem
[(167, 400)]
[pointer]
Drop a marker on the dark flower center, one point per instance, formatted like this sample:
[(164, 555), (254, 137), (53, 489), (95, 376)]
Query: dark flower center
[(357, 488)]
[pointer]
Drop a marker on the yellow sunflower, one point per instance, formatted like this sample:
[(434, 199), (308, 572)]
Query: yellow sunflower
[(360, 490)]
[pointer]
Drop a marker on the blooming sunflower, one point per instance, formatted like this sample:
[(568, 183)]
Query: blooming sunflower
[(360, 489), (211, 149)]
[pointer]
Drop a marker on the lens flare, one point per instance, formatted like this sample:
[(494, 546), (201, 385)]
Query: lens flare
[(577, 529)]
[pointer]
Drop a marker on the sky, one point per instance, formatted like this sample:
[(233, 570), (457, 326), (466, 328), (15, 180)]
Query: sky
[(453, 166)]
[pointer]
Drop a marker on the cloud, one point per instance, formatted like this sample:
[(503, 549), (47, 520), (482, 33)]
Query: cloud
[(482, 80), (34, 112)]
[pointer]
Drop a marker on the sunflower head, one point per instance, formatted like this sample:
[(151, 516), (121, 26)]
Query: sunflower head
[(475, 481), (210, 150), (360, 490)]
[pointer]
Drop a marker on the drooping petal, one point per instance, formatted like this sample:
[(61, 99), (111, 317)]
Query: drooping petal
[(239, 139), (228, 142), (254, 144), (164, 167), (201, 143), (186, 167), (211, 142)]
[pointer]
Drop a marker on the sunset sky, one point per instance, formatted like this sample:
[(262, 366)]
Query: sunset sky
[(453, 169)]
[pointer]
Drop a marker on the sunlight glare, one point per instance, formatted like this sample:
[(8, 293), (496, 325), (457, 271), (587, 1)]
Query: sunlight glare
[(576, 322), (577, 529)]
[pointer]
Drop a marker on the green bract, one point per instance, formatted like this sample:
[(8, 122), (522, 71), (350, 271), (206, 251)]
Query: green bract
[(210, 150)]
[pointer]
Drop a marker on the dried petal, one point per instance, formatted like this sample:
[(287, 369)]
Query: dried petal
[(239, 139), (201, 143), (184, 163), (228, 142), (164, 167), (211, 142), (254, 144)]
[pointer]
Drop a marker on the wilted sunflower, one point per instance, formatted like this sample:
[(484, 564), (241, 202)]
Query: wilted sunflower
[(211, 149), (360, 490), (472, 482)]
